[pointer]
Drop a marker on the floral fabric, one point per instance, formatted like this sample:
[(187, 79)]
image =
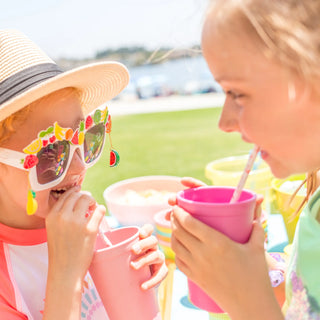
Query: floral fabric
[(303, 277)]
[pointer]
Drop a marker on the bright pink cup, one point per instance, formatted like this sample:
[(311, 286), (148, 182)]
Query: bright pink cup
[(212, 206), (117, 283)]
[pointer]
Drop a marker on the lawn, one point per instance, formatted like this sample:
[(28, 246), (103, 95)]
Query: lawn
[(166, 143)]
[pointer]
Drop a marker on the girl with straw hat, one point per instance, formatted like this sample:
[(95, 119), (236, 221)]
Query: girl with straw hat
[(50, 132)]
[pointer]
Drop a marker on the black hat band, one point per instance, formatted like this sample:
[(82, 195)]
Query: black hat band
[(25, 79)]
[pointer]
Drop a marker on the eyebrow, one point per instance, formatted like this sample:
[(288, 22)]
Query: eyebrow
[(220, 79)]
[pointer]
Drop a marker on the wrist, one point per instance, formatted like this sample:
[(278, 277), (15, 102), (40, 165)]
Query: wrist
[(261, 306), (63, 293)]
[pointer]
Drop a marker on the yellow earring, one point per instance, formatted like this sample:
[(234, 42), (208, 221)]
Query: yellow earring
[(32, 204)]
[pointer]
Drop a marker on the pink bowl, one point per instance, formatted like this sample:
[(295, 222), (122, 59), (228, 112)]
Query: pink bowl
[(138, 214)]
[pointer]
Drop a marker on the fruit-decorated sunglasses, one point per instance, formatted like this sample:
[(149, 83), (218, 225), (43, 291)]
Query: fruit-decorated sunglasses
[(48, 157)]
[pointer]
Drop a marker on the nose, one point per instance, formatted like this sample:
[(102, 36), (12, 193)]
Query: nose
[(228, 121), (77, 165)]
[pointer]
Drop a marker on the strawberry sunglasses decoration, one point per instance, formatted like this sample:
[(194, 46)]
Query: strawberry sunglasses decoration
[(48, 157)]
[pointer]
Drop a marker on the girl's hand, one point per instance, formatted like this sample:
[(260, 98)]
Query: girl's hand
[(72, 232), (151, 256), (71, 236), (223, 268), (189, 183)]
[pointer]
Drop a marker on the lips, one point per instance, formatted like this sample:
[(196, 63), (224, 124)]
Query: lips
[(264, 154), (58, 192)]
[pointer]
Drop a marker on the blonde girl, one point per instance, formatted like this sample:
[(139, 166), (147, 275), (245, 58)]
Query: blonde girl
[(265, 55)]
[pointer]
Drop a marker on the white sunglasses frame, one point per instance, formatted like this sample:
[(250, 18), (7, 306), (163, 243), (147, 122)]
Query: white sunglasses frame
[(14, 159)]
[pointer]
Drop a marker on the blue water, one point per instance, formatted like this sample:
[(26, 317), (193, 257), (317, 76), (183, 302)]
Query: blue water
[(181, 76)]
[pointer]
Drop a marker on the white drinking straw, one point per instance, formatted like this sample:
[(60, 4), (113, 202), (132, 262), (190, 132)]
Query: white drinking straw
[(103, 227), (246, 171)]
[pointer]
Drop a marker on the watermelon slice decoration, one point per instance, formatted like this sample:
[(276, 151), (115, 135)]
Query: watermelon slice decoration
[(75, 138), (114, 158)]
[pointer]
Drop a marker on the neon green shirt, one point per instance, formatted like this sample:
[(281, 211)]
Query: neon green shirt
[(303, 276)]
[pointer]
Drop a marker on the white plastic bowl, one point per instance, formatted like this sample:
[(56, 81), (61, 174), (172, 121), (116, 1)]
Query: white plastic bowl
[(138, 214)]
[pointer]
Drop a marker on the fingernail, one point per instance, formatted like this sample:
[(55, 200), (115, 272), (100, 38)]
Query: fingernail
[(135, 264), (144, 286), (143, 233), (136, 248)]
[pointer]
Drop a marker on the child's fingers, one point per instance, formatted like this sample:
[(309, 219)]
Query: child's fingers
[(192, 182), (179, 248), (181, 237), (96, 217), (182, 257), (148, 259), (182, 267), (172, 200), (168, 215), (70, 203), (145, 231), (143, 245), (188, 229), (83, 205), (257, 236), (188, 182), (258, 209), (183, 221), (156, 278), (58, 205)]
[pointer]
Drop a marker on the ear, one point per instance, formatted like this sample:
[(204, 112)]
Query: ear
[(300, 92)]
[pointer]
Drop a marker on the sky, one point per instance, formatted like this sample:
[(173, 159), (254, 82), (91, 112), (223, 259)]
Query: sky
[(80, 28)]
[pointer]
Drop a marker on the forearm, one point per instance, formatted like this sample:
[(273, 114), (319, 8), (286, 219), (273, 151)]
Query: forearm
[(63, 298), (260, 307)]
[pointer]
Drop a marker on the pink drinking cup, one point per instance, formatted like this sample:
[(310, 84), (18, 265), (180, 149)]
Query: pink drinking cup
[(212, 206), (117, 283)]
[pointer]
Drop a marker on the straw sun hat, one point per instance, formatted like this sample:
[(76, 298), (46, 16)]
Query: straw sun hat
[(27, 74)]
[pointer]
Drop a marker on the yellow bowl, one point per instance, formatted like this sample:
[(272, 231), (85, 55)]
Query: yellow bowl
[(228, 171), (282, 203), (168, 252), (220, 316)]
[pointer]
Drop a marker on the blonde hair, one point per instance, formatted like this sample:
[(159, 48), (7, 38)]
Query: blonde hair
[(9, 125), (285, 30), (312, 183)]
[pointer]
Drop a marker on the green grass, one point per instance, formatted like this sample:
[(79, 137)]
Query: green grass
[(167, 143)]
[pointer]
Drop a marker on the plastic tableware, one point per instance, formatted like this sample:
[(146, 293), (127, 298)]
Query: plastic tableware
[(117, 283), (212, 206)]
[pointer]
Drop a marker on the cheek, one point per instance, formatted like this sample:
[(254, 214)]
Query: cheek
[(44, 205), (261, 122), (17, 181)]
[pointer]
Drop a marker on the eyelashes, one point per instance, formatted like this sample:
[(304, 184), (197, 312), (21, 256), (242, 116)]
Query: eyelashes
[(234, 95)]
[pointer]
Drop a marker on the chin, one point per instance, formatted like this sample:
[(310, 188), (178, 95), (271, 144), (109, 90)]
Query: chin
[(281, 172), (42, 212)]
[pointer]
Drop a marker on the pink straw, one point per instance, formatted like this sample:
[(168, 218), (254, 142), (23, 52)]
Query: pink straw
[(246, 171)]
